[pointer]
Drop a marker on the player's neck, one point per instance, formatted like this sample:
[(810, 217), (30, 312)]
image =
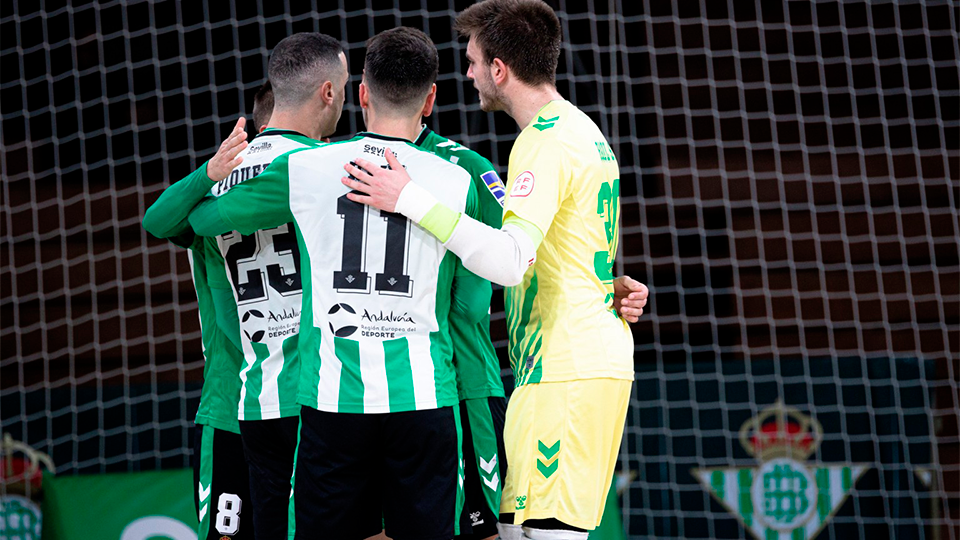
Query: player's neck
[(401, 127), (295, 121), (524, 102)]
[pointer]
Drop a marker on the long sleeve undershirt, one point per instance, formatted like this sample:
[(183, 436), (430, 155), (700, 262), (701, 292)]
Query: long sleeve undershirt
[(498, 255)]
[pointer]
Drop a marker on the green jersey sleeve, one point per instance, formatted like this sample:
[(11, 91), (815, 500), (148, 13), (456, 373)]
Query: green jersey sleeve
[(167, 217), (261, 202), (472, 207), (490, 192)]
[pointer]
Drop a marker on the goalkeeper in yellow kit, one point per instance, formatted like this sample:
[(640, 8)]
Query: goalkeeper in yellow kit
[(572, 355)]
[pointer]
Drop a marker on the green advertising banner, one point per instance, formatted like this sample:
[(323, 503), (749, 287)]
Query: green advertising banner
[(154, 505)]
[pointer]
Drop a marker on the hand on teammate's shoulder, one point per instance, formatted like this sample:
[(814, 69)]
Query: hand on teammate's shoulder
[(227, 157)]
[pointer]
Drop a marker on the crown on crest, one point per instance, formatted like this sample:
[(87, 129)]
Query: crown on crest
[(781, 431)]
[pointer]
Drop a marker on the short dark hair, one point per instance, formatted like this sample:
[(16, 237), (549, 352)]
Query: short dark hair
[(299, 64), (400, 67), (263, 105), (524, 34)]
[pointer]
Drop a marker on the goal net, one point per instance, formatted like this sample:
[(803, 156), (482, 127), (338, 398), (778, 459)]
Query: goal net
[(790, 182)]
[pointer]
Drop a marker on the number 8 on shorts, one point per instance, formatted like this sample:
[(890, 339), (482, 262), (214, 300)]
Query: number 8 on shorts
[(228, 513)]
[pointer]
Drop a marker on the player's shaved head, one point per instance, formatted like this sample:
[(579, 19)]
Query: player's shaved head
[(524, 34), (400, 68), (300, 64), (263, 106)]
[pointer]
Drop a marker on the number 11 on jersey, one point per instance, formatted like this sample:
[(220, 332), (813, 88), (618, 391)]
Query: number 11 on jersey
[(351, 277)]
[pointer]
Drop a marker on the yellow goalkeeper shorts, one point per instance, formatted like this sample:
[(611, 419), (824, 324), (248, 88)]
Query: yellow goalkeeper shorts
[(562, 441)]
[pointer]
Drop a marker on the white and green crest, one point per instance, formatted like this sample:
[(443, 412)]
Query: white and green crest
[(784, 497)]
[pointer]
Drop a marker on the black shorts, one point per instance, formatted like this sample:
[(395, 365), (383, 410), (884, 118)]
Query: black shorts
[(485, 465), (269, 446), (221, 485), (357, 472)]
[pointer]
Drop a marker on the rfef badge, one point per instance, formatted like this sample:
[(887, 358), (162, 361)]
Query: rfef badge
[(784, 497)]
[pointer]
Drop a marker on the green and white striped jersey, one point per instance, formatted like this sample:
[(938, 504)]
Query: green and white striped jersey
[(374, 333), (476, 362), (262, 269), (248, 289)]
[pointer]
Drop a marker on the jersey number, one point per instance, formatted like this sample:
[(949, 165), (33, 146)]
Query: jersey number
[(608, 207), (228, 514), (351, 276), (250, 286)]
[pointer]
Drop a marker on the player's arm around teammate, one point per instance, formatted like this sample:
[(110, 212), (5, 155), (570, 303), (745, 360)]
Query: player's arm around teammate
[(395, 365), (220, 471), (482, 402), (572, 361), (308, 74), (167, 217)]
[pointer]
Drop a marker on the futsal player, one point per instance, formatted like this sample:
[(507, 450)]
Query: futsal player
[(379, 436), (571, 354), (255, 281)]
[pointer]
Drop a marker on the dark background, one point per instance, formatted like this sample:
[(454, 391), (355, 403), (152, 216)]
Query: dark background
[(790, 190)]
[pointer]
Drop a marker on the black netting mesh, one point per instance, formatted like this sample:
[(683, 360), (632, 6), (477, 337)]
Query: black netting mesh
[(790, 183)]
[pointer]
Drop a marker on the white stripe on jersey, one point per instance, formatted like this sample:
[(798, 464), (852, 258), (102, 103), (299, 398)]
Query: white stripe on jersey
[(421, 364), (270, 391), (248, 363), (329, 386), (373, 373)]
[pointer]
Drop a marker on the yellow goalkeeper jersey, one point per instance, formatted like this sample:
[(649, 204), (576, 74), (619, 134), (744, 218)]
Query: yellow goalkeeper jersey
[(563, 178)]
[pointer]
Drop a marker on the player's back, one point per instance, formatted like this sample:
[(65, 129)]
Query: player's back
[(564, 178), (262, 271), (375, 337)]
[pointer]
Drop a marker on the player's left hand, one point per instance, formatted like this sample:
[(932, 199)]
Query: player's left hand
[(629, 298), (228, 155), (379, 188)]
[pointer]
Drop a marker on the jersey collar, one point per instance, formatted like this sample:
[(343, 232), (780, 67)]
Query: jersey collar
[(278, 131), (424, 133), (382, 137)]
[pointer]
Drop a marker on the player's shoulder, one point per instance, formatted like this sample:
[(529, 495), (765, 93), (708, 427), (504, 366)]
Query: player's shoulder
[(453, 151), (558, 121), (322, 152), (561, 131), (275, 142), (436, 163)]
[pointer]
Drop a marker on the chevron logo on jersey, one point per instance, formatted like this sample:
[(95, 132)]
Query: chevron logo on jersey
[(495, 186)]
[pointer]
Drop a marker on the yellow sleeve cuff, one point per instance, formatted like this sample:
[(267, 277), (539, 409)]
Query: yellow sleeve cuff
[(440, 221)]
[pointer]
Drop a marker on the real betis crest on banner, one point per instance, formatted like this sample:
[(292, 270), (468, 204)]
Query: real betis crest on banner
[(783, 497)]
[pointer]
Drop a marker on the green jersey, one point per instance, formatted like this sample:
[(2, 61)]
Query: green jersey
[(262, 271), (253, 286), (167, 218), (476, 362), (222, 359), (377, 290)]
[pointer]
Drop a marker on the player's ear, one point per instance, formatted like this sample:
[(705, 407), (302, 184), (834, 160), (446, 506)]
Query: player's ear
[(326, 92), (499, 71), (431, 99), (364, 96)]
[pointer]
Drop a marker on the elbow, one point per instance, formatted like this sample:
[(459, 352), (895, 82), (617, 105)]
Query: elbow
[(507, 275), (513, 275), (151, 226), (512, 279)]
